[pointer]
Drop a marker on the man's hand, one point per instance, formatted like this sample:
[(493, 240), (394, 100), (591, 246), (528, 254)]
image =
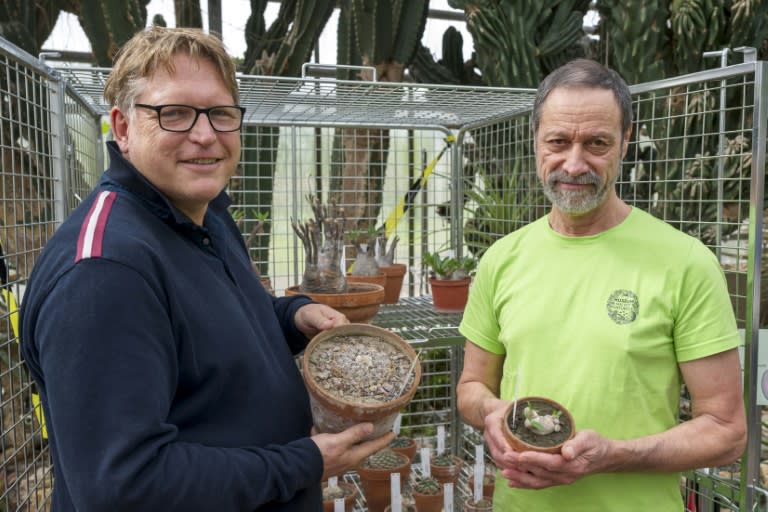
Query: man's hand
[(585, 454), (313, 318), (345, 450)]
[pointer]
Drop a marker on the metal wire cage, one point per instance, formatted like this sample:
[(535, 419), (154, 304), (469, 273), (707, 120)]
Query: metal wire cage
[(443, 168)]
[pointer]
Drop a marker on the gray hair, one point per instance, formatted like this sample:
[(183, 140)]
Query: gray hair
[(587, 74)]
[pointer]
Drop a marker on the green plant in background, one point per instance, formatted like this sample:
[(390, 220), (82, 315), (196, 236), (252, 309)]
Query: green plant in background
[(448, 266)]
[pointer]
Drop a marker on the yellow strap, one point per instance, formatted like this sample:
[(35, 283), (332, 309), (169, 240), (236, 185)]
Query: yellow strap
[(391, 223), (13, 315)]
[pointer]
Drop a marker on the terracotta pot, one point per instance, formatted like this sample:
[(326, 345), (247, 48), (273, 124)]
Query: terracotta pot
[(334, 414), (350, 493), (445, 474), (360, 303), (406, 508), (428, 502), (379, 279), (488, 486), (409, 449), (376, 482), (395, 275), (484, 505), (449, 295), (549, 443)]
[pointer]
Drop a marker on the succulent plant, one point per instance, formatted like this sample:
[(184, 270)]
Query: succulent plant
[(401, 442), (427, 485), (443, 459), (385, 459)]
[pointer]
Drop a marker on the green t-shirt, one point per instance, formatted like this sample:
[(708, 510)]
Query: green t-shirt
[(599, 324)]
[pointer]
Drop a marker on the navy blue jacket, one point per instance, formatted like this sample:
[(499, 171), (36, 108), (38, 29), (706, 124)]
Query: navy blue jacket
[(166, 371)]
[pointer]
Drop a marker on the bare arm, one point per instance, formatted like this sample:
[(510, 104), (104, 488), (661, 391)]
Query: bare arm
[(478, 396)]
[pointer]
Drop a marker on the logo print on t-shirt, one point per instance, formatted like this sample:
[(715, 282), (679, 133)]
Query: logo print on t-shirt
[(623, 306)]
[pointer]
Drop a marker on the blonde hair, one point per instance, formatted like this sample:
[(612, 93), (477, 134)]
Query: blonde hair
[(155, 48)]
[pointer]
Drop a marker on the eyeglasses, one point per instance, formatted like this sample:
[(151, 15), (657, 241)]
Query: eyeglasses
[(181, 118)]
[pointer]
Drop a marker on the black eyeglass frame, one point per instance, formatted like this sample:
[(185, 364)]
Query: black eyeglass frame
[(198, 111)]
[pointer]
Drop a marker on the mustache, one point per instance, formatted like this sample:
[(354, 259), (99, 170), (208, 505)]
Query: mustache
[(588, 178)]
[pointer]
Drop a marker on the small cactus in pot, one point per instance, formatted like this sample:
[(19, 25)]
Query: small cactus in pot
[(428, 494), (374, 473)]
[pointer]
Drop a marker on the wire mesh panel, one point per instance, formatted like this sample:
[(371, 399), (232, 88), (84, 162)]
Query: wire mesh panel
[(40, 121)]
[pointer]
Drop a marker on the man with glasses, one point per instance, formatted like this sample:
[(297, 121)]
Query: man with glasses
[(165, 369)]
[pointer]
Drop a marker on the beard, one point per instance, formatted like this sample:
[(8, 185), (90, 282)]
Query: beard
[(577, 202)]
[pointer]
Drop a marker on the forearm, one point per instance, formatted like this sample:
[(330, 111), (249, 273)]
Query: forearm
[(475, 401), (701, 442)]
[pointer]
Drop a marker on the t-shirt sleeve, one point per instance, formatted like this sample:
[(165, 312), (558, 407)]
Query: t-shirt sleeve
[(705, 323), (479, 323)]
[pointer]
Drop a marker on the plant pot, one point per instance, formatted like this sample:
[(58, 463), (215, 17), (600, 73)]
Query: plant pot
[(522, 438), (379, 279), (484, 505), (375, 481), (359, 303), (353, 357), (428, 502), (445, 473), (350, 493), (404, 445), (406, 508), (449, 295), (395, 275), (488, 484)]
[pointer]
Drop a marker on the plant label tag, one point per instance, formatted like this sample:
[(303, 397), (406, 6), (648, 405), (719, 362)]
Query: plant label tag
[(448, 496), (425, 462)]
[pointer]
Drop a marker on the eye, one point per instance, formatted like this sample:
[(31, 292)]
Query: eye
[(174, 112)]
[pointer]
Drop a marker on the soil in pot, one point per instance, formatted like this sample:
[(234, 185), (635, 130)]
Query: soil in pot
[(374, 473), (534, 431), (343, 490), (356, 373), (404, 445), (445, 468)]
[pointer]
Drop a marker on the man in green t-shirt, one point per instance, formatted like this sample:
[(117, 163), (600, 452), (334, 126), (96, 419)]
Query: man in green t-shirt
[(606, 310)]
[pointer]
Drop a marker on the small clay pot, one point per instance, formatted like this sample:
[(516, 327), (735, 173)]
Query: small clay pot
[(445, 473), (488, 484), (395, 275), (524, 439), (406, 508), (428, 502), (375, 481), (484, 505), (449, 295), (404, 445), (350, 493)]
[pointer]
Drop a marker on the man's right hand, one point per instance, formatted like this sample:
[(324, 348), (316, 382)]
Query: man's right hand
[(345, 450)]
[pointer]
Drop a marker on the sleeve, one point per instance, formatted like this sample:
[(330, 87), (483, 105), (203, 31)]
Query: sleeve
[(479, 323), (705, 323), (108, 358), (285, 309)]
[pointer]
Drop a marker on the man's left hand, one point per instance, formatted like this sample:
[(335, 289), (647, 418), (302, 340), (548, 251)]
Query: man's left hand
[(313, 318)]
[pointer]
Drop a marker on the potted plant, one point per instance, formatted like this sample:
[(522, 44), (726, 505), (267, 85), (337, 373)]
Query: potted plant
[(538, 424), (374, 473), (489, 481), (395, 272), (359, 373), (483, 505), (405, 445), (342, 490), (323, 279), (445, 467), (428, 494), (365, 268), (449, 280)]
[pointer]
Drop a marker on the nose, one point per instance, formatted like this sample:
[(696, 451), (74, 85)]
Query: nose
[(575, 161), (202, 131)]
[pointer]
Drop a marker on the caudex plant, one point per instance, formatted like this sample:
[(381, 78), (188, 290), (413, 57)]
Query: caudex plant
[(365, 248), (542, 424)]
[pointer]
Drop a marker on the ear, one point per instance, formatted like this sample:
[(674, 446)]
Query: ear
[(625, 141), (119, 122)]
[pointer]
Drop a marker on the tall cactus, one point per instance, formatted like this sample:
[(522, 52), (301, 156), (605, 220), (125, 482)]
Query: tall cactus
[(110, 23)]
